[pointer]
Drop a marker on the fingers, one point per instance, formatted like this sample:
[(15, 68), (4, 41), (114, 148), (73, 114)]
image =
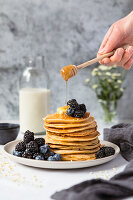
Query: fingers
[(128, 64), (105, 61), (121, 57), (116, 58), (127, 55)]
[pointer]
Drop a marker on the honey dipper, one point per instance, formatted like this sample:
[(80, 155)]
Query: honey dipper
[(71, 70)]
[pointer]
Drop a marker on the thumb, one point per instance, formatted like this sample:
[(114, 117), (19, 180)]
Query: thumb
[(112, 40)]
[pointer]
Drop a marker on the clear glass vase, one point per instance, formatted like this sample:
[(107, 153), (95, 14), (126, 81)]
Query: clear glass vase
[(34, 95), (109, 110)]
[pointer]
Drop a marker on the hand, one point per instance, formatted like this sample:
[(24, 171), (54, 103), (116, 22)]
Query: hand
[(119, 34)]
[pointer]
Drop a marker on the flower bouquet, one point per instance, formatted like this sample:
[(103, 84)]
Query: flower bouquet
[(107, 83)]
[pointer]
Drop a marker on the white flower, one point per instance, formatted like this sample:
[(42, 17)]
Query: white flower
[(116, 86), (100, 100), (110, 81), (121, 89), (116, 74), (108, 74), (99, 74), (113, 77), (115, 66), (94, 72), (95, 86), (103, 67), (87, 80), (119, 81)]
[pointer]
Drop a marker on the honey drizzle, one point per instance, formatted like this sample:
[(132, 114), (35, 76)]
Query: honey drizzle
[(66, 92)]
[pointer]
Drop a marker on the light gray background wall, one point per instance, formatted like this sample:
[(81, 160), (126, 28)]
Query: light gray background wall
[(65, 31)]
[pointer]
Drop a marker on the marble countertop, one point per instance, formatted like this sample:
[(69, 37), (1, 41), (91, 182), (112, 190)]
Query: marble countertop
[(22, 182)]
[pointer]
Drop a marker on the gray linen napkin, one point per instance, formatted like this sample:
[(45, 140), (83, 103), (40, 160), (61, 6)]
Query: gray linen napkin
[(122, 135), (118, 187)]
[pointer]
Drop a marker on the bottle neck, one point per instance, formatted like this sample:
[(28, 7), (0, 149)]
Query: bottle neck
[(29, 62), (40, 62)]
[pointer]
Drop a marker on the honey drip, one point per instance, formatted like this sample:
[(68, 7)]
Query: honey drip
[(66, 92)]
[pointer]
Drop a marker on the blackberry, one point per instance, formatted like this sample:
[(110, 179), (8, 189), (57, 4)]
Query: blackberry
[(32, 146), (27, 154), (82, 107), (78, 113), (20, 146), (109, 151), (40, 141), (28, 136), (70, 112), (72, 103), (17, 153), (100, 153)]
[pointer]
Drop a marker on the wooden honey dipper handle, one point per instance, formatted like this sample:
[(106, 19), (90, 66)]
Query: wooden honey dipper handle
[(90, 62)]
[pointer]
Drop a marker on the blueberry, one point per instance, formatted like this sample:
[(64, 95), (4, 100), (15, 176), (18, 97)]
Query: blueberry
[(39, 157), (57, 157), (44, 149), (17, 153), (70, 111), (48, 154), (51, 158), (51, 153)]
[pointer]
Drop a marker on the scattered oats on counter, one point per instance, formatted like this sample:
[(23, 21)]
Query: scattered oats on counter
[(8, 170)]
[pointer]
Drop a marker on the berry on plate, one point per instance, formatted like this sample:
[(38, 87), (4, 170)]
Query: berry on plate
[(40, 141), (28, 136), (20, 146), (32, 146), (17, 153)]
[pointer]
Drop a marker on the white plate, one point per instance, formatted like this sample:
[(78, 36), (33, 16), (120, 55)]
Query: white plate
[(9, 147)]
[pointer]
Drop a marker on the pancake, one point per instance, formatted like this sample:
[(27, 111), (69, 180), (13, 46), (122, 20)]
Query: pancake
[(64, 119), (69, 147), (49, 141), (77, 138), (78, 157), (71, 130), (88, 122), (80, 133), (76, 151)]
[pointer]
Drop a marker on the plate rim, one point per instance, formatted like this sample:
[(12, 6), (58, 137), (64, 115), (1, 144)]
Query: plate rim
[(117, 151)]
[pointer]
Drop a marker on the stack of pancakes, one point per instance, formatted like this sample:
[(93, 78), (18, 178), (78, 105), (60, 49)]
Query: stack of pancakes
[(74, 138)]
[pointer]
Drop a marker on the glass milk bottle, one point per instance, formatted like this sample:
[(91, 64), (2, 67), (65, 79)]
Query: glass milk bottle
[(34, 96)]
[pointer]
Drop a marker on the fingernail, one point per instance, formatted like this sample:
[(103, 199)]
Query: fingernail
[(101, 50)]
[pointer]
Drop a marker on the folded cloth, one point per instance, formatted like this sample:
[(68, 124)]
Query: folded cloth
[(118, 187), (122, 135)]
